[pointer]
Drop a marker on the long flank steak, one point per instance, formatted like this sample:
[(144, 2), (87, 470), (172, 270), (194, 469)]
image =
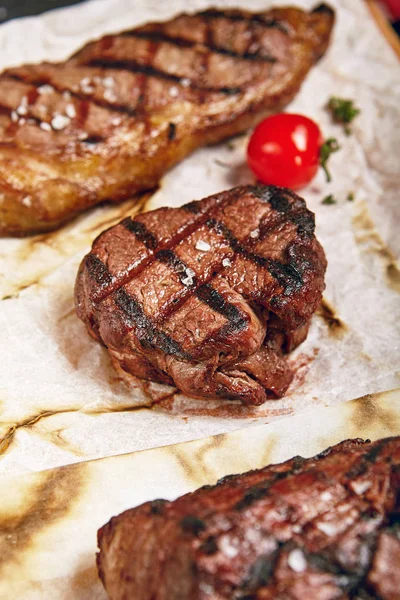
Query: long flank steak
[(208, 297), (323, 528), (109, 122)]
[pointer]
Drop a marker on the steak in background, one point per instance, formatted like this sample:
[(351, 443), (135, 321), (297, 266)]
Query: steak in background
[(208, 297), (110, 121), (323, 528)]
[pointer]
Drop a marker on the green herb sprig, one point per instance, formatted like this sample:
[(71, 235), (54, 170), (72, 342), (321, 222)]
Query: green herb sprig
[(343, 111), (329, 200), (330, 146)]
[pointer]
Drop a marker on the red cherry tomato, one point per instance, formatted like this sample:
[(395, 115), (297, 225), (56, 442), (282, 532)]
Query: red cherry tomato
[(284, 150)]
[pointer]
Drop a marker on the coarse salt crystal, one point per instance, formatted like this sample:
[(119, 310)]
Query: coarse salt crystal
[(22, 122), (359, 487), (70, 111), (109, 95), (45, 89), (226, 262), (185, 82), (327, 528), (228, 548), (116, 121), (14, 116), (187, 281), (190, 272), (22, 110), (325, 496), (27, 201), (67, 95), (59, 122), (83, 136), (255, 233), (297, 561), (85, 81), (108, 82), (206, 588), (45, 126), (173, 91), (203, 246), (87, 89)]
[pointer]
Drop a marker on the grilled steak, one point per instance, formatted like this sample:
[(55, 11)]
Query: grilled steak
[(207, 297), (112, 119), (324, 528)]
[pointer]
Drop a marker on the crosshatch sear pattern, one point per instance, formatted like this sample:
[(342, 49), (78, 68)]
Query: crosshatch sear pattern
[(109, 122), (210, 296)]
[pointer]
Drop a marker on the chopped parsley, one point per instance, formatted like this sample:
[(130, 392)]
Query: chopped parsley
[(328, 200), (343, 111), (350, 196), (328, 147)]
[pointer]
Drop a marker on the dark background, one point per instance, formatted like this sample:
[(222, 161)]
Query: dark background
[(9, 9)]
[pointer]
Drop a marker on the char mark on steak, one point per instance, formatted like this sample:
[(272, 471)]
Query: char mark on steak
[(104, 124), (323, 527), (210, 296)]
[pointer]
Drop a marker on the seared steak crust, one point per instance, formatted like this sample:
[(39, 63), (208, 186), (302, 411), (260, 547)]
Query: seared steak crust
[(112, 119), (324, 528), (207, 297)]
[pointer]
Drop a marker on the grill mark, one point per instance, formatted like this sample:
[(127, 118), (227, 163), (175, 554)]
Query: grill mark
[(135, 67), (141, 233), (5, 110), (171, 131), (236, 321), (159, 36), (193, 207), (285, 273), (169, 258), (212, 298), (157, 506), (260, 574), (260, 490), (192, 525), (213, 13), (322, 561), (93, 139), (301, 217), (369, 457), (146, 332), (186, 231), (97, 270), (119, 108), (82, 113)]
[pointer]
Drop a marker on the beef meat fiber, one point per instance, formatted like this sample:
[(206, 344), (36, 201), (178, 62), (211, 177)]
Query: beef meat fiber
[(207, 297), (109, 122), (323, 528)]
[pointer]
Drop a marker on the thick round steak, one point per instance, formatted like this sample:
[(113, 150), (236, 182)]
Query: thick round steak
[(207, 297)]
